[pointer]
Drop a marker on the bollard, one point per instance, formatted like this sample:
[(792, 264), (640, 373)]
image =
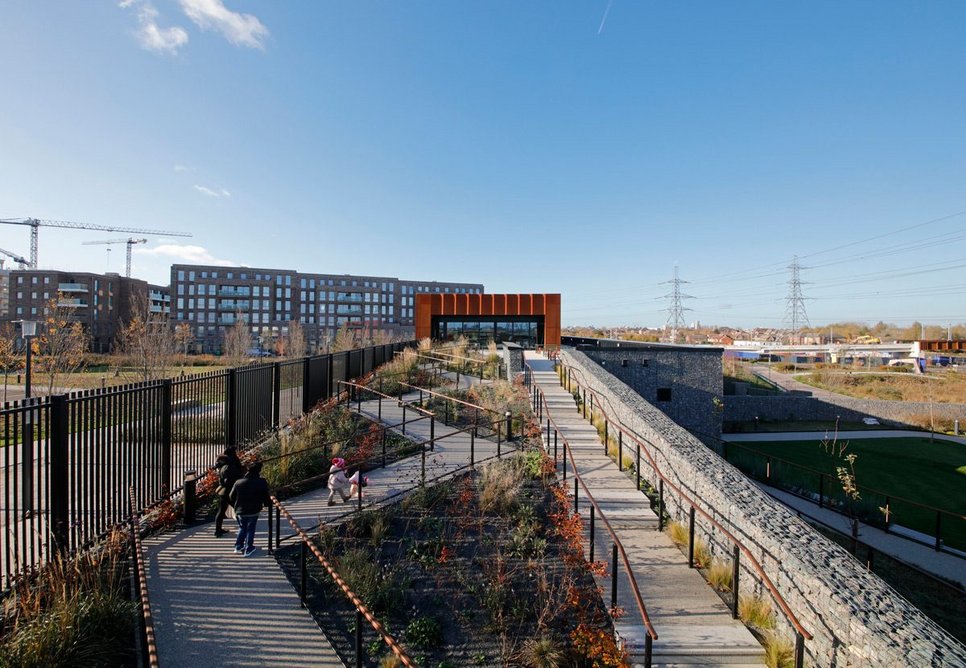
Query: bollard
[(269, 530), (956, 427), (509, 427), (404, 420), (278, 526), (190, 502)]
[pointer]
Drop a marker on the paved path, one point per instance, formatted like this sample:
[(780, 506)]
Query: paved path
[(693, 625), (215, 608)]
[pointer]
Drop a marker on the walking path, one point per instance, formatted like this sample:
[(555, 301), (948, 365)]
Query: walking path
[(694, 626), (214, 608)]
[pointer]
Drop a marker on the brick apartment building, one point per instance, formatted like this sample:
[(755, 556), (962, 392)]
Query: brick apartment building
[(211, 298), (101, 302)]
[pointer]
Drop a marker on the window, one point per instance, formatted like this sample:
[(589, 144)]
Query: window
[(664, 394)]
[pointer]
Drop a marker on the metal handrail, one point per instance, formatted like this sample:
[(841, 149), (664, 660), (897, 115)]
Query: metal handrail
[(453, 399), (642, 609), (360, 607), (150, 639), (766, 581)]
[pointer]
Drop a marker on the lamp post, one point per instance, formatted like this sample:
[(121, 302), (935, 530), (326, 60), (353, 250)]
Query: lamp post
[(28, 329)]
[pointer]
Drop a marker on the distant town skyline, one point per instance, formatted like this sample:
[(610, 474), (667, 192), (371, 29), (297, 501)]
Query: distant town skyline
[(584, 149)]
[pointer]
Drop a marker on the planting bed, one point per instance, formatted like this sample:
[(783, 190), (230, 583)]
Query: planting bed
[(486, 569)]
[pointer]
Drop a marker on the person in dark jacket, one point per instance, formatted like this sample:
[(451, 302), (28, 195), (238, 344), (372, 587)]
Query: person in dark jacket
[(248, 496), (229, 469)]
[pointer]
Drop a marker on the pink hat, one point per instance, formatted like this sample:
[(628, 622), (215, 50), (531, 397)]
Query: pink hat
[(338, 462)]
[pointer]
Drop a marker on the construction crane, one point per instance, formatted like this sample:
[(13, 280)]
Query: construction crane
[(16, 258), (36, 224), (130, 242)]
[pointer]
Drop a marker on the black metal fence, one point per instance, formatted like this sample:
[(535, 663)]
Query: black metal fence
[(68, 461)]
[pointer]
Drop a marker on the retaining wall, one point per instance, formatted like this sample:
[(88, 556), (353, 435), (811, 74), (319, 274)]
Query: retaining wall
[(797, 407), (856, 618)]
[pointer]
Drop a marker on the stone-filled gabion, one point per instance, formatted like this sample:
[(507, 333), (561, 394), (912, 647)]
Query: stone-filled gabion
[(856, 618)]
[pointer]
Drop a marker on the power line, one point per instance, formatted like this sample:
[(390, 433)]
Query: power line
[(676, 309), (795, 314)]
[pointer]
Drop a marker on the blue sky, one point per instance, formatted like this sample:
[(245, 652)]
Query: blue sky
[(578, 147)]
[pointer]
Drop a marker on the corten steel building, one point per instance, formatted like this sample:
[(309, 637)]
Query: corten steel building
[(210, 299), (529, 320)]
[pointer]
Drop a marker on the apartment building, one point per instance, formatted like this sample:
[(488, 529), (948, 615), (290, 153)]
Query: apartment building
[(211, 299), (102, 303)]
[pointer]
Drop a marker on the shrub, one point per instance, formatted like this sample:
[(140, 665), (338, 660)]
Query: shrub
[(499, 486), (719, 575), (779, 652), (390, 661), (543, 652), (424, 633), (756, 611)]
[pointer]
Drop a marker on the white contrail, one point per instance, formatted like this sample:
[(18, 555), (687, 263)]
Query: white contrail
[(604, 19)]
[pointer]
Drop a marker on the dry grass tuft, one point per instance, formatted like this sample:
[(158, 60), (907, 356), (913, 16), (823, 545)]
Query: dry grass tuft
[(757, 612), (779, 652), (719, 575)]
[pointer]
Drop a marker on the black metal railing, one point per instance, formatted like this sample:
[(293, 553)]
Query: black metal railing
[(938, 528), (68, 460), (594, 407), (148, 643)]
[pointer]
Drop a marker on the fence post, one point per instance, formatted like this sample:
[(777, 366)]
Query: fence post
[(473, 449), (422, 464), (691, 538), (939, 530), (509, 427), (189, 497), (735, 556), (592, 534), (270, 530), (59, 472), (821, 490), (302, 573), (432, 432), (555, 432), (384, 430), (165, 436), (358, 638), (660, 505), (799, 650), (613, 577), (638, 465), (278, 526), (576, 495), (306, 384), (231, 413), (404, 420)]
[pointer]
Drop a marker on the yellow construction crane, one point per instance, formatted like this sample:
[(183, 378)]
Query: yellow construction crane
[(130, 242), (36, 224)]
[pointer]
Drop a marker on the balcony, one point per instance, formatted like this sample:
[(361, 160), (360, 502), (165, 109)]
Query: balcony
[(351, 297), (348, 310), (72, 287), (232, 305), (71, 303), (235, 292)]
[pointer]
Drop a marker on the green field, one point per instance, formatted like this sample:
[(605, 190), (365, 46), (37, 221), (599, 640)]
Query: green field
[(908, 471)]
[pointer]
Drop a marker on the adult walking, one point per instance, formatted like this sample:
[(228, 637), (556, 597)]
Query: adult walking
[(229, 469), (248, 496)]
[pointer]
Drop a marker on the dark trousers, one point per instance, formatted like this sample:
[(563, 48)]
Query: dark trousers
[(222, 512)]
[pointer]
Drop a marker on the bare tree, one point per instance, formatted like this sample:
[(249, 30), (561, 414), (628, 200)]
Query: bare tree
[(295, 341), (183, 338), (145, 342), (61, 345), (10, 359), (345, 339), (237, 342)]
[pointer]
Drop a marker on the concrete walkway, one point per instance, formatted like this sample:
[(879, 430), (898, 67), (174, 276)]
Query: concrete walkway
[(215, 608), (694, 626)]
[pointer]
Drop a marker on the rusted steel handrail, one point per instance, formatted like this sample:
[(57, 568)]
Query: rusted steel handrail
[(766, 581), (422, 410), (453, 399), (143, 584), (353, 598), (638, 599)]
